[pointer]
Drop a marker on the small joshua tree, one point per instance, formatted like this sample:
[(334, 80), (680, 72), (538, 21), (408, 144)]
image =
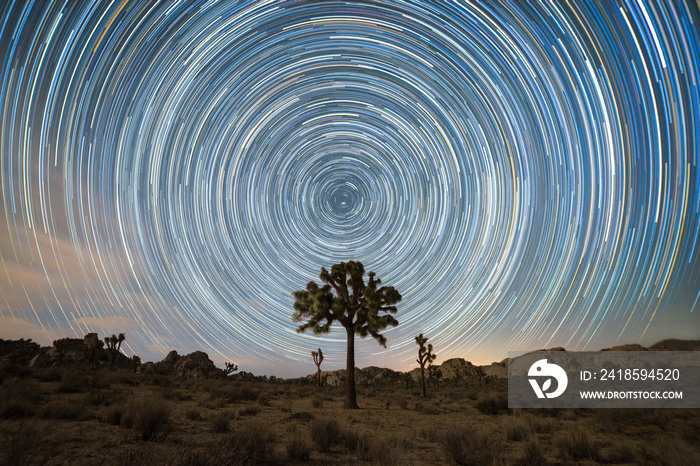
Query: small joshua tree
[(230, 368), (318, 359), (114, 344), (135, 362), (425, 356), (61, 345)]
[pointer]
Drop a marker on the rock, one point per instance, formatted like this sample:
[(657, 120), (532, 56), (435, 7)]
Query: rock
[(187, 366), (40, 360), (633, 347)]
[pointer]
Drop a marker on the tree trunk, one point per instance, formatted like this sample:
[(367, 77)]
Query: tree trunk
[(319, 374), (350, 394), (422, 377)]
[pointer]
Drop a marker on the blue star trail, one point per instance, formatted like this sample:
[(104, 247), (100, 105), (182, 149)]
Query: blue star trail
[(525, 174)]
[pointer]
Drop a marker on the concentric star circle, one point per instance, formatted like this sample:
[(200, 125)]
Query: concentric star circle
[(525, 174)]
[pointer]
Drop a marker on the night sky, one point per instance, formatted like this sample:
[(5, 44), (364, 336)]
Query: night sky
[(526, 175)]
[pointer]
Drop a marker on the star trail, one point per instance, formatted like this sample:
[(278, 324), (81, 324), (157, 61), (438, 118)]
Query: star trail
[(525, 174)]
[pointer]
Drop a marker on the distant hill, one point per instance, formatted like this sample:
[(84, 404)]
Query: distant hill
[(676, 345)]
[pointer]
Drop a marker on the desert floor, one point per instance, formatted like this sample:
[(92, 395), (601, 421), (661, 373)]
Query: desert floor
[(82, 417)]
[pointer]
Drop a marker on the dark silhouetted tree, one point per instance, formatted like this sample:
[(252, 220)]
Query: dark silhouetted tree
[(61, 345), (318, 359), (425, 356), (114, 344), (346, 298), (135, 362), (230, 368)]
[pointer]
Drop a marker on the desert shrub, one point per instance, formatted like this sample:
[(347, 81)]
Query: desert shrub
[(465, 445), (324, 433), (14, 408), (264, 399), (350, 439), (49, 375), (20, 445), (152, 419), (667, 451), (533, 454), (285, 408), (576, 444), (518, 428), (430, 434), (386, 455), (252, 444), (619, 420), (73, 382), (241, 393), (403, 403), (102, 397), (193, 414), (364, 448), (61, 409), (113, 414), (221, 422), (317, 402), (622, 452), (298, 450), (249, 411), (493, 405)]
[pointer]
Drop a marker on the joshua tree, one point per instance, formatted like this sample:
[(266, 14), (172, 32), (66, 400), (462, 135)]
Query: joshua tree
[(230, 368), (347, 299), (61, 345), (425, 356), (318, 359), (114, 343), (135, 362)]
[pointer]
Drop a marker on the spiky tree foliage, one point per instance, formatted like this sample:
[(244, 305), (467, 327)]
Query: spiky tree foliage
[(318, 359), (230, 368), (346, 298), (61, 345), (425, 356), (114, 344), (135, 362)]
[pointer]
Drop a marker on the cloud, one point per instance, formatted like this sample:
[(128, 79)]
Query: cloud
[(14, 328)]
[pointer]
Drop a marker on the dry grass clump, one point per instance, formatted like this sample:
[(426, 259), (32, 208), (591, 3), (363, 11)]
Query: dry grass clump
[(576, 444), (493, 405), (533, 454), (152, 420), (523, 426), (19, 398), (298, 449), (221, 422), (193, 414), (62, 409), (251, 410), (21, 445), (252, 444), (324, 433), (467, 446)]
